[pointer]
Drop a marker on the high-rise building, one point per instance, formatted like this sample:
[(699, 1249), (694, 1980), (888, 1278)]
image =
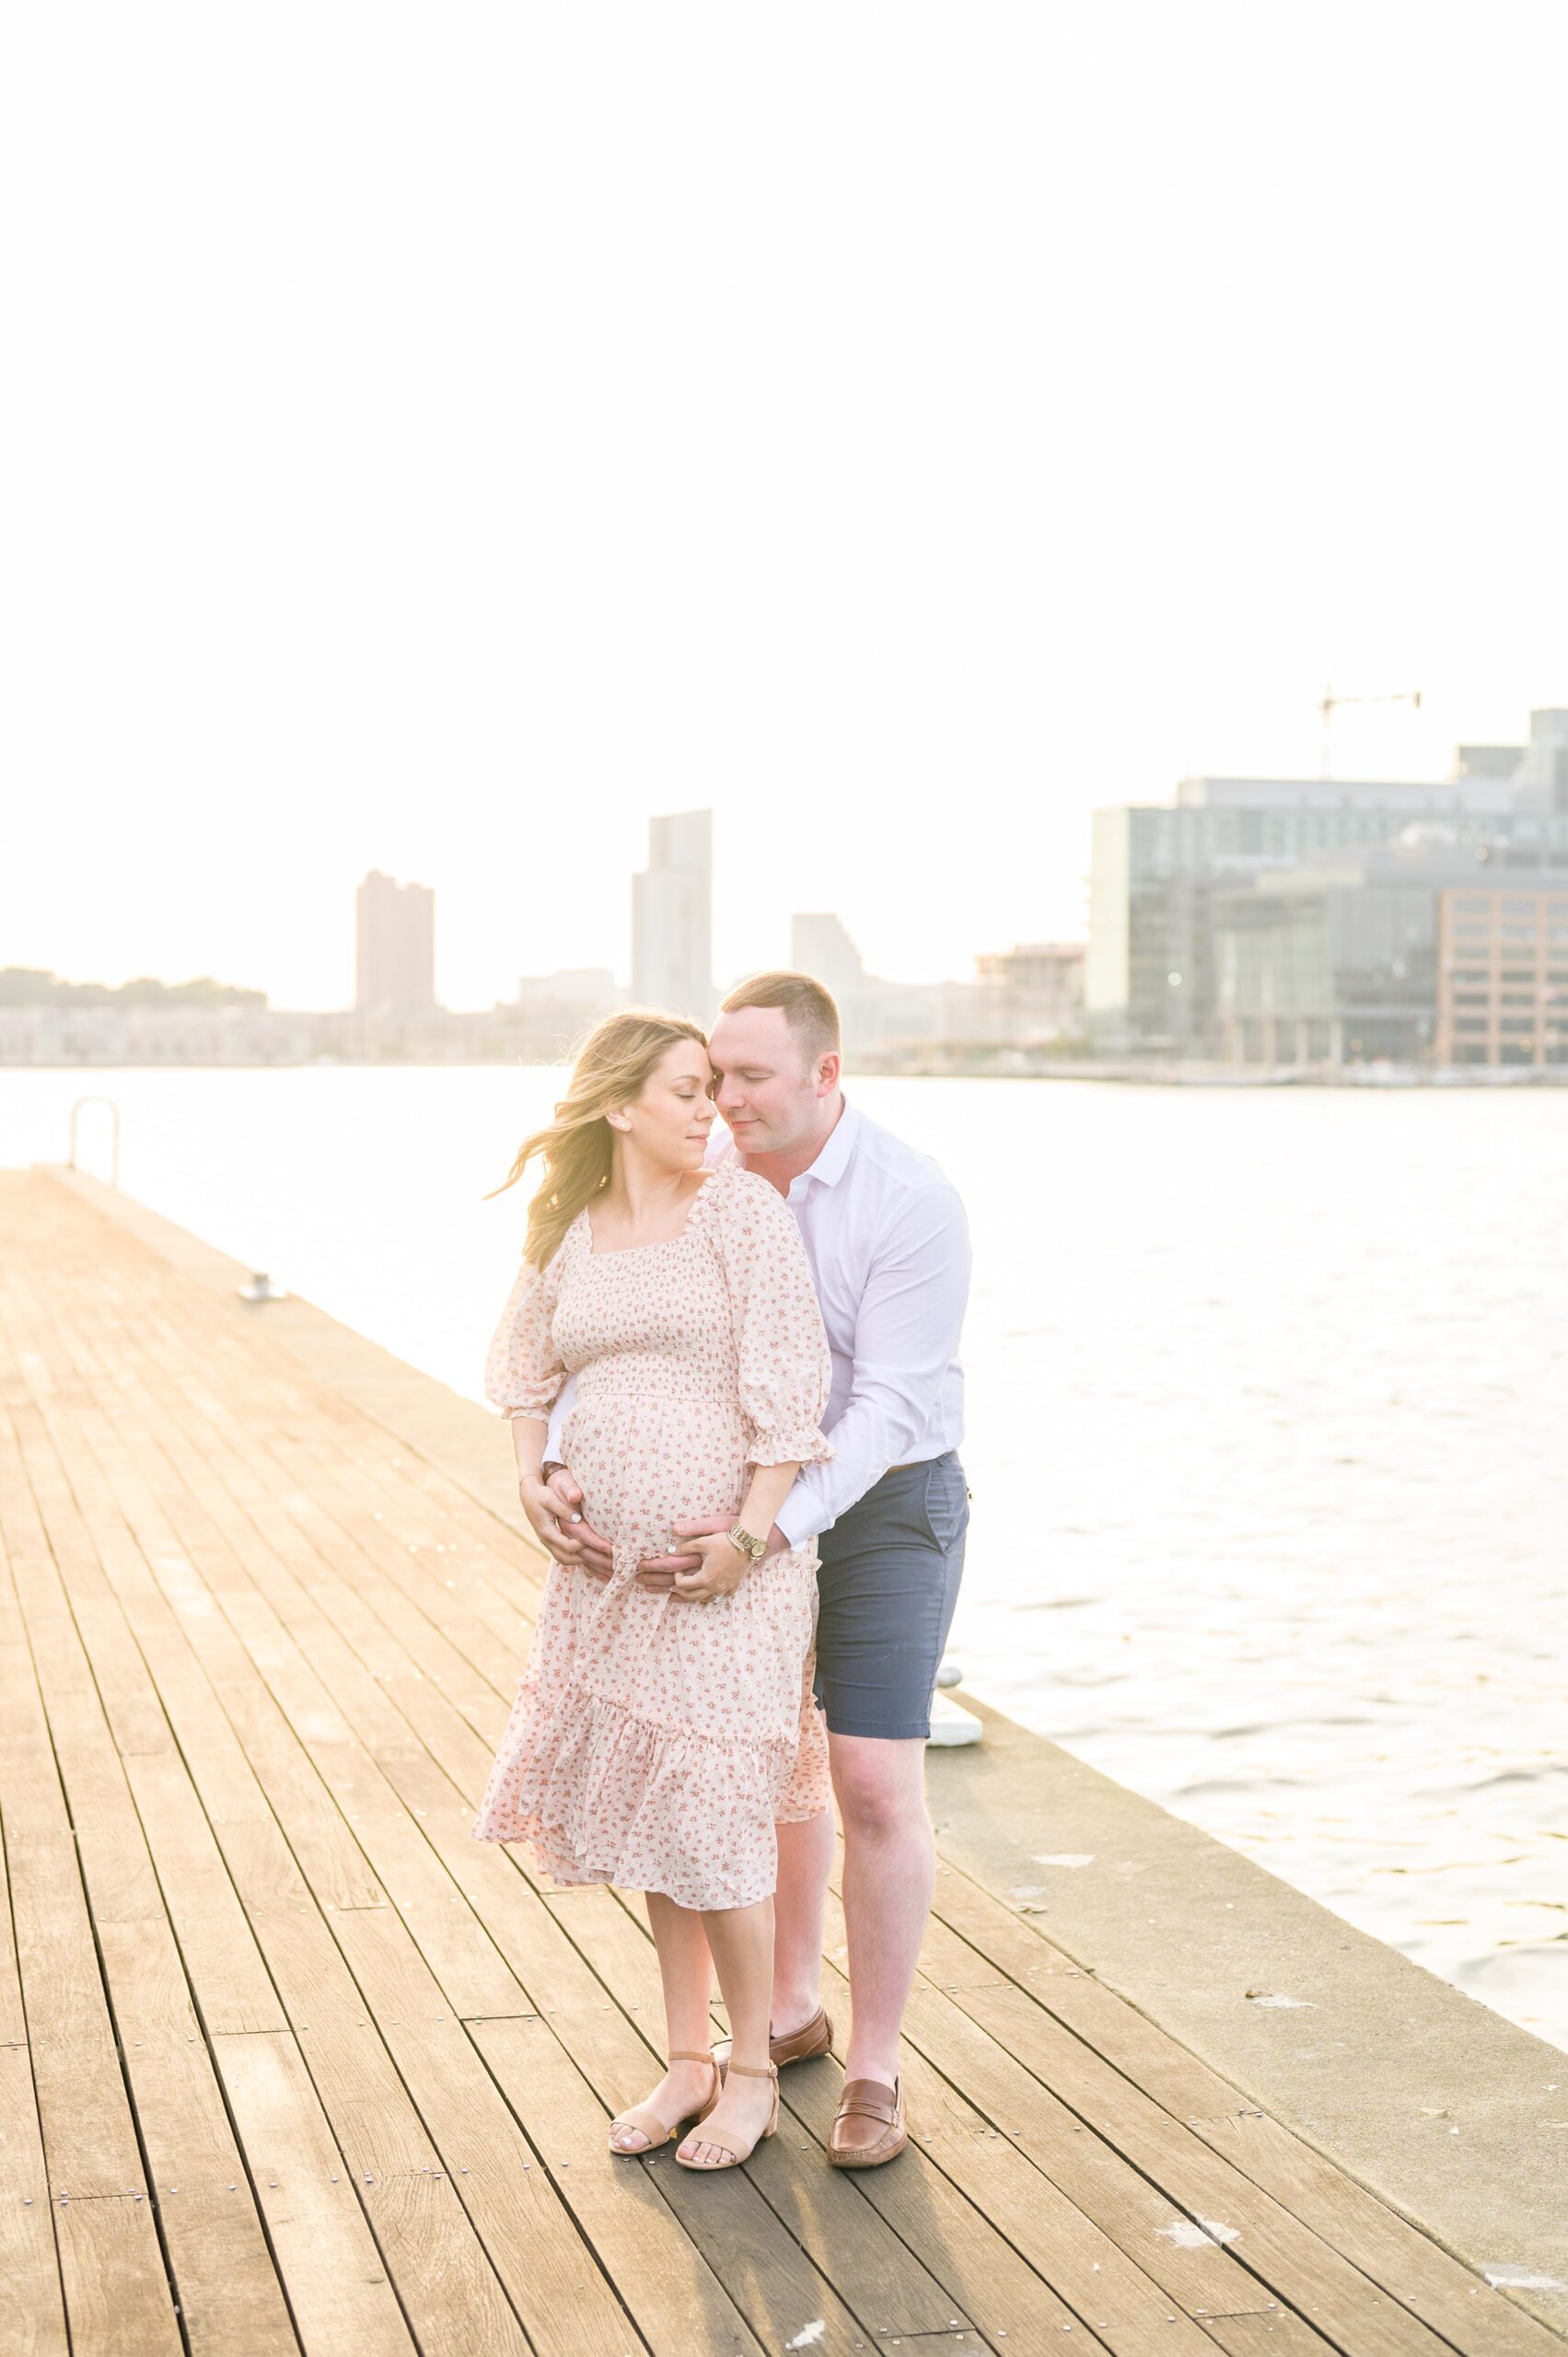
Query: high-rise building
[(394, 947), (821, 946), (672, 917)]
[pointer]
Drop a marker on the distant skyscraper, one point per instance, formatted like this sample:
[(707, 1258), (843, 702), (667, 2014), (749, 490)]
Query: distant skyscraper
[(395, 947), (821, 944), (672, 917)]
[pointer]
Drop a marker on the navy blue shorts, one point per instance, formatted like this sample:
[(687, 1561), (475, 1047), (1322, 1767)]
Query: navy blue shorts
[(889, 1584)]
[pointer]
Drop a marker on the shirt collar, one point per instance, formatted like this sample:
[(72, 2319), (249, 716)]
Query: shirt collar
[(833, 1160)]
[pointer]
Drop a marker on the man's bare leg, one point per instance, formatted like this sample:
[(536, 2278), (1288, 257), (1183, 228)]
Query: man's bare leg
[(889, 1878), (806, 1863)]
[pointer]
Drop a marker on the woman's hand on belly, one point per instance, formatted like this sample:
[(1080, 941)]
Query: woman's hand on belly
[(554, 1513)]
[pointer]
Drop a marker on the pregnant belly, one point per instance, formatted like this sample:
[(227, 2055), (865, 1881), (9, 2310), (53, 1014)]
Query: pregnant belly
[(645, 1462)]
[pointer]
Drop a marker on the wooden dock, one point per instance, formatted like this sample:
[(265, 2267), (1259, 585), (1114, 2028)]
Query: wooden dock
[(289, 2063)]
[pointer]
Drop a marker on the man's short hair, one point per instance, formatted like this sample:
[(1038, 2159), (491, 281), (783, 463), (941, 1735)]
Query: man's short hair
[(809, 1007)]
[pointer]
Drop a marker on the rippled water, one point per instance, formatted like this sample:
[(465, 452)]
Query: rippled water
[(1267, 1395)]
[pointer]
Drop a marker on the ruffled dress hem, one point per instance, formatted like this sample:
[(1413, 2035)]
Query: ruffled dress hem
[(563, 1781)]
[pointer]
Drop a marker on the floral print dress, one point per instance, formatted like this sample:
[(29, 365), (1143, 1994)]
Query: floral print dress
[(655, 1742)]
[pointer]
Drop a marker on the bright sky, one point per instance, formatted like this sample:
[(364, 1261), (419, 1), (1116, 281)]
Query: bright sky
[(435, 437)]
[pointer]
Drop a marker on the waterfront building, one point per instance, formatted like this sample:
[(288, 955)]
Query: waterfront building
[(394, 947), (555, 1010), (1032, 994), (1341, 962), (877, 1018), (1151, 981), (592, 988), (1502, 970), (672, 921)]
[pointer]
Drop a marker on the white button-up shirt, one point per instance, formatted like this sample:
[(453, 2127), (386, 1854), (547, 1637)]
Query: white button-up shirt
[(889, 1245)]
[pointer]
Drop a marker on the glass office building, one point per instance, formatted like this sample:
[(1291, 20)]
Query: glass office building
[(1153, 977), (1354, 962)]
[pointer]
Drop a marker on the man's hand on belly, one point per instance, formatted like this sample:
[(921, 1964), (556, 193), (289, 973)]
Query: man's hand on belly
[(659, 1571)]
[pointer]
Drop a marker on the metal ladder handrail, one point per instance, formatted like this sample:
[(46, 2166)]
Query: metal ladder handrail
[(114, 1134)]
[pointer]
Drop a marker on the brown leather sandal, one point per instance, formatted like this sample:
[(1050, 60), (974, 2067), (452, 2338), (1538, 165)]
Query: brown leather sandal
[(624, 2119), (733, 2160), (802, 2045), (855, 2147)]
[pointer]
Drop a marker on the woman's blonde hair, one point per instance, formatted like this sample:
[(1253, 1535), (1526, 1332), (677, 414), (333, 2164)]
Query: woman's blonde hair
[(612, 1067)]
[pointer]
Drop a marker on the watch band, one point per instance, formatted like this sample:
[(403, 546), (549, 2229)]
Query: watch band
[(741, 1537)]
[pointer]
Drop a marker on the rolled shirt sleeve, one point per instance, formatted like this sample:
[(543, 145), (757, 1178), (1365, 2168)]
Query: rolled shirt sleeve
[(906, 1336)]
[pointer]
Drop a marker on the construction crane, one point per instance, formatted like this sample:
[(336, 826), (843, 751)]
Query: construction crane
[(1330, 704)]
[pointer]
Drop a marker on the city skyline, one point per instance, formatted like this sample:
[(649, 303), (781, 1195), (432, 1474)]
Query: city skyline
[(1020, 492), (1472, 760)]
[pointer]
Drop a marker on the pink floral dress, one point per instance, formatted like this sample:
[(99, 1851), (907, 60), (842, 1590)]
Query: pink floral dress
[(654, 1742)]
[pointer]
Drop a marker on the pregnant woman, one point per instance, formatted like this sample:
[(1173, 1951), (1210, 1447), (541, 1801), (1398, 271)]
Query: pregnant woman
[(660, 1734)]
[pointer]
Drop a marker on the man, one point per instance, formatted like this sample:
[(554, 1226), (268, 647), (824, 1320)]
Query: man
[(889, 1245)]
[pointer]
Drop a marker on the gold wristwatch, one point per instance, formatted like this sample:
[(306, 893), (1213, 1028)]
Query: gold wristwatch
[(754, 1548)]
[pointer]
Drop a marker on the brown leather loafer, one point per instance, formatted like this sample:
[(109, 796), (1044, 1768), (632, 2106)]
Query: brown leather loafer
[(801, 2045), (868, 2127)]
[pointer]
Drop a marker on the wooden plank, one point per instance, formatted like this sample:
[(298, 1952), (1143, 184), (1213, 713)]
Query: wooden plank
[(519, 2223), (118, 2302), (676, 2297), (88, 2133), (1074, 2209), (350, 1500), (431, 2243), (111, 2266), (1435, 2287), (452, 2293), (32, 2301), (225, 2286), (1008, 2101), (342, 2302), (1465, 2309), (526, 2212), (1010, 1946), (1280, 2336), (229, 2298), (1296, 2264), (320, 1520)]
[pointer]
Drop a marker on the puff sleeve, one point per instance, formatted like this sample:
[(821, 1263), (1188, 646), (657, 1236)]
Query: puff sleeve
[(786, 1369), (523, 1371)]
